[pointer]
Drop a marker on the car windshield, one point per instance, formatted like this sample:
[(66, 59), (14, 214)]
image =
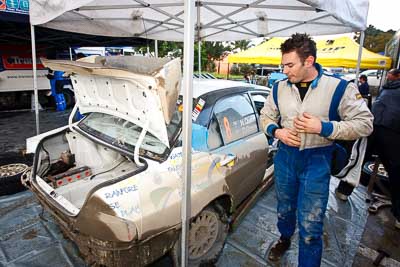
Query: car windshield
[(124, 134)]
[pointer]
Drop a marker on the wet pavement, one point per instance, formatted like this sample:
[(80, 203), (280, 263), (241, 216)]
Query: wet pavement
[(30, 237), (380, 236), (16, 127)]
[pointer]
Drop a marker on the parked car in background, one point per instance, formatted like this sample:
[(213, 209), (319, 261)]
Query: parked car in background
[(374, 77), (113, 180)]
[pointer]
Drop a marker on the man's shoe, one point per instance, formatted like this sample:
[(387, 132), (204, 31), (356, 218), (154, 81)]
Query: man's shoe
[(278, 249), (344, 190), (340, 195)]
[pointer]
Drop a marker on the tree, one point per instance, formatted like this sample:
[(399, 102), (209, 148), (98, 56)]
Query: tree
[(375, 39), (214, 51), (203, 57), (172, 49), (165, 48), (210, 51), (242, 45)]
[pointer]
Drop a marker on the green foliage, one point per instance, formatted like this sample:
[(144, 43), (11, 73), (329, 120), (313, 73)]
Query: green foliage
[(210, 51), (241, 69), (203, 57), (246, 69), (242, 45), (174, 49), (375, 39), (234, 70), (231, 76), (165, 48), (214, 51)]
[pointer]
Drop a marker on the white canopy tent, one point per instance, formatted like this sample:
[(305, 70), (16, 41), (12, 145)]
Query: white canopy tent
[(185, 20)]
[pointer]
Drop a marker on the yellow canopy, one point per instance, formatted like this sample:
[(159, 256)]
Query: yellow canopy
[(267, 53), (340, 52)]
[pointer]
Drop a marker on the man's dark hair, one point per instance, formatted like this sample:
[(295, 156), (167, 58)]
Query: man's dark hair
[(395, 72), (302, 44), (364, 77)]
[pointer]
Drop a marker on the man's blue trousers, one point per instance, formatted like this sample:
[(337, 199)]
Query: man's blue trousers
[(302, 189)]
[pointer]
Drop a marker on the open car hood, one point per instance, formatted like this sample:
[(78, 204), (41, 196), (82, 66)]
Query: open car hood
[(141, 90)]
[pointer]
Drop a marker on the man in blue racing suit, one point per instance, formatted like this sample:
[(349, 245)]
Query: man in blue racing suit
[(298, 113)]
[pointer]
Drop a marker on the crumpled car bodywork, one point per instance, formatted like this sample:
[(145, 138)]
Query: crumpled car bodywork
[(113, 180)]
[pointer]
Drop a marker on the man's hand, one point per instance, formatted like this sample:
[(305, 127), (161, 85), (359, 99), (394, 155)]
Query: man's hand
[(308, 123), (288, 137)]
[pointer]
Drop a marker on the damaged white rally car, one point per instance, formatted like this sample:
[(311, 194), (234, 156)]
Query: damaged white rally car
[(113, 179)]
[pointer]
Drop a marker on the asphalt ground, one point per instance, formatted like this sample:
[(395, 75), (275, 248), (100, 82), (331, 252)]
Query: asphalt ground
[(16, 127)]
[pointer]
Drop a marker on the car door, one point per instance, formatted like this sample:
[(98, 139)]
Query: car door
[(234, 137), (259, 99), (373, 78)]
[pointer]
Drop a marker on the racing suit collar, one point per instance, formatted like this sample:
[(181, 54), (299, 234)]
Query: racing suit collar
[(314, 83)]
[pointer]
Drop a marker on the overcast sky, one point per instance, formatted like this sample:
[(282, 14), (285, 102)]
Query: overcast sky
[(384, 14)]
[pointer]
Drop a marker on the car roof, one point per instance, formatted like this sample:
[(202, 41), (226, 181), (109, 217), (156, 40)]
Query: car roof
[(204, 86), (368, 71)]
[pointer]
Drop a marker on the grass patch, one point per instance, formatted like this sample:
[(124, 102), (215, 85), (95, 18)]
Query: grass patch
[(231, 76)]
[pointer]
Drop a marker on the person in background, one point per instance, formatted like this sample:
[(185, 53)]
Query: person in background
[(363, 86), (385, 139), (296, 114), (393, 75), (253, 79), (57, 81), (246, 78)]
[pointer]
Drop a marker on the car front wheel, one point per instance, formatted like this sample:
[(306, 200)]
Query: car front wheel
[(207, 235)]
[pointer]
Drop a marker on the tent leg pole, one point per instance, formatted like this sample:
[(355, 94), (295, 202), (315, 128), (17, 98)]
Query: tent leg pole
[(70, 53), (35, 89), (362, 37), (188, 57), (156, 48), (199, 54)]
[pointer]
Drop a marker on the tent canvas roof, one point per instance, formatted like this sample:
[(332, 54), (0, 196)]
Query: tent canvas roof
[(267, 53), (342, 52), (215, 20), (339, 52)]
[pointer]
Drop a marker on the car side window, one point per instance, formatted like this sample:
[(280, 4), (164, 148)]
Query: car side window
[(214, 139), (259, 100), (235, 117)]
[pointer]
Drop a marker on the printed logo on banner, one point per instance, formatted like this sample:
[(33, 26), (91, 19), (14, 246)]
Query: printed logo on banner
[(19, 62), (3, 5), (24, 5), (12, 4), (15, 6), (382, 62)]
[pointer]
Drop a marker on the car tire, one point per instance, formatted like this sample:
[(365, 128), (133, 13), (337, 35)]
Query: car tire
[(10, 178), (366, 173), (207, 236)]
